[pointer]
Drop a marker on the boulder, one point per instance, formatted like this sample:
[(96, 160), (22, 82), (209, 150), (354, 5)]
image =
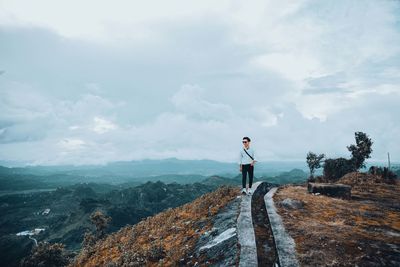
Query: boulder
[(292, 203), (332, 190)]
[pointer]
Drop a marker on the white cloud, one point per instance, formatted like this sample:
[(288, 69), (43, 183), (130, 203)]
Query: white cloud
[(70, 144), (73, 127), (101, 20), (190, 100), (102, 125), (21, 103), (190, 79), (295, 67), (265, 116)]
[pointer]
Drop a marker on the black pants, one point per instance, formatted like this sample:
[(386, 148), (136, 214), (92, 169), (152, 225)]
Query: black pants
[(247, 168)]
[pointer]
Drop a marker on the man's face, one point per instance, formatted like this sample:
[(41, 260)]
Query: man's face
[(245, 143)]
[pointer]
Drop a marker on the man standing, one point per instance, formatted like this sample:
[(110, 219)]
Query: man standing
[(246, 163)]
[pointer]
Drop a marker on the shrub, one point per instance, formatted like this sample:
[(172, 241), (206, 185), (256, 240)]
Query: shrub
[(334, 169), (387, 175), (100, 221)]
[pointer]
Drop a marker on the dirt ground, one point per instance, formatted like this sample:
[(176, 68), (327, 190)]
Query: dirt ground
[(363, 231)]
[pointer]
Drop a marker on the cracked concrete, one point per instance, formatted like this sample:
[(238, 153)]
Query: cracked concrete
[(285, 245), (245, 232)]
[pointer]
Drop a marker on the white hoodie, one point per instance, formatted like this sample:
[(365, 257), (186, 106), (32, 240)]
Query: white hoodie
[(244, 158)]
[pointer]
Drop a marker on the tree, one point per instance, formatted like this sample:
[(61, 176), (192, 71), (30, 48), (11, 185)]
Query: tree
[(314, 162), (361, 150), (334, 169), (100, 221)]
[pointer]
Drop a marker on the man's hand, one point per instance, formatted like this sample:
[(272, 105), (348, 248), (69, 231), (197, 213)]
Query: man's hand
[(240, 168)]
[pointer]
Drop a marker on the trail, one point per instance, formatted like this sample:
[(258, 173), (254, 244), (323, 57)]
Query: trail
[(266, 251), (284, 243), (262, 237)]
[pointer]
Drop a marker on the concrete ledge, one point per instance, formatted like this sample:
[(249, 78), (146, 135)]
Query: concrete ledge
[(285, 245), (245, 232), (332, 190)]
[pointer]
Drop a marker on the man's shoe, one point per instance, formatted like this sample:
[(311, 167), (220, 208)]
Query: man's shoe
[(250, 191), (244, 191)]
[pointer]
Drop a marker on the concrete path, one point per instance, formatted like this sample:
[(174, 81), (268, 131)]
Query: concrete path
[(285, 245), (245, 232)]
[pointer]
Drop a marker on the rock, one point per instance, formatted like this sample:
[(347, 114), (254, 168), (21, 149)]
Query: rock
[(332, 190), (220, 242), (292, 203)]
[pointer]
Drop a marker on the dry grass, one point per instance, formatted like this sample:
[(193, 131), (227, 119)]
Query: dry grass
[(163, 239), (336, 232)]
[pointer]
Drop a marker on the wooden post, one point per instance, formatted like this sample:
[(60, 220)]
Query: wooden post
[(388, 161)]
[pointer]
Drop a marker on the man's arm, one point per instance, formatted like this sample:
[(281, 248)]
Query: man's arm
[(254, 157)]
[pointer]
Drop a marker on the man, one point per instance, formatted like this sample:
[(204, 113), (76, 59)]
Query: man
[(246, 163)]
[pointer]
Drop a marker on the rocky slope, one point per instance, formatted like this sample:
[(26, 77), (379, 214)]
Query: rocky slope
[(182, 235)]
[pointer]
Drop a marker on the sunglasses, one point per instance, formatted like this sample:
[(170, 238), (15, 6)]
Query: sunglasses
[(244, 142)]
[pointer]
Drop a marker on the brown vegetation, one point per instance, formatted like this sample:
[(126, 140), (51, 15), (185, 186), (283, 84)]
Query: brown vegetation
[(363, 231), (165, 239)]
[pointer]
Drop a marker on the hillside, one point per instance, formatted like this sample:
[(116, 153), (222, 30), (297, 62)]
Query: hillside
[(362, 231), (70, 209), (161, 227), (169, 237), (327, 231)]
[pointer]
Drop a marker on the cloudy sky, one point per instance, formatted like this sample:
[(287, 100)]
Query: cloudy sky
[(95, 81)]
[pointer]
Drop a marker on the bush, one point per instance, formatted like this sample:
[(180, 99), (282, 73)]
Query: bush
[(387, 175), (334, 169), (101, 222)]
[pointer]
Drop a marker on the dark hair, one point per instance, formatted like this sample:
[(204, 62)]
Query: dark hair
[(247, 138)]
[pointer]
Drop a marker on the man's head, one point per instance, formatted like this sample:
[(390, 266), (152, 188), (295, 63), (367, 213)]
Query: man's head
[(246, 141)]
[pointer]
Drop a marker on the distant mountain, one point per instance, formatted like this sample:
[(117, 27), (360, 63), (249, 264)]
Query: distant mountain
[(51, 177), (292, 176), (139, 168), (218, 181), (12, 183), (145, 168)]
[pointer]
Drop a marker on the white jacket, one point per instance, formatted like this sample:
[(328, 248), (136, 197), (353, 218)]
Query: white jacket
[(244, 158)]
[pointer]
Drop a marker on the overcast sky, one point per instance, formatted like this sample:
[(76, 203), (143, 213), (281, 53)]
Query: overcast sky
[(95, 81)]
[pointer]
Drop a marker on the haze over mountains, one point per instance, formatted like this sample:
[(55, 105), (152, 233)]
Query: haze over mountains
[(150, 167), (160, 167)]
